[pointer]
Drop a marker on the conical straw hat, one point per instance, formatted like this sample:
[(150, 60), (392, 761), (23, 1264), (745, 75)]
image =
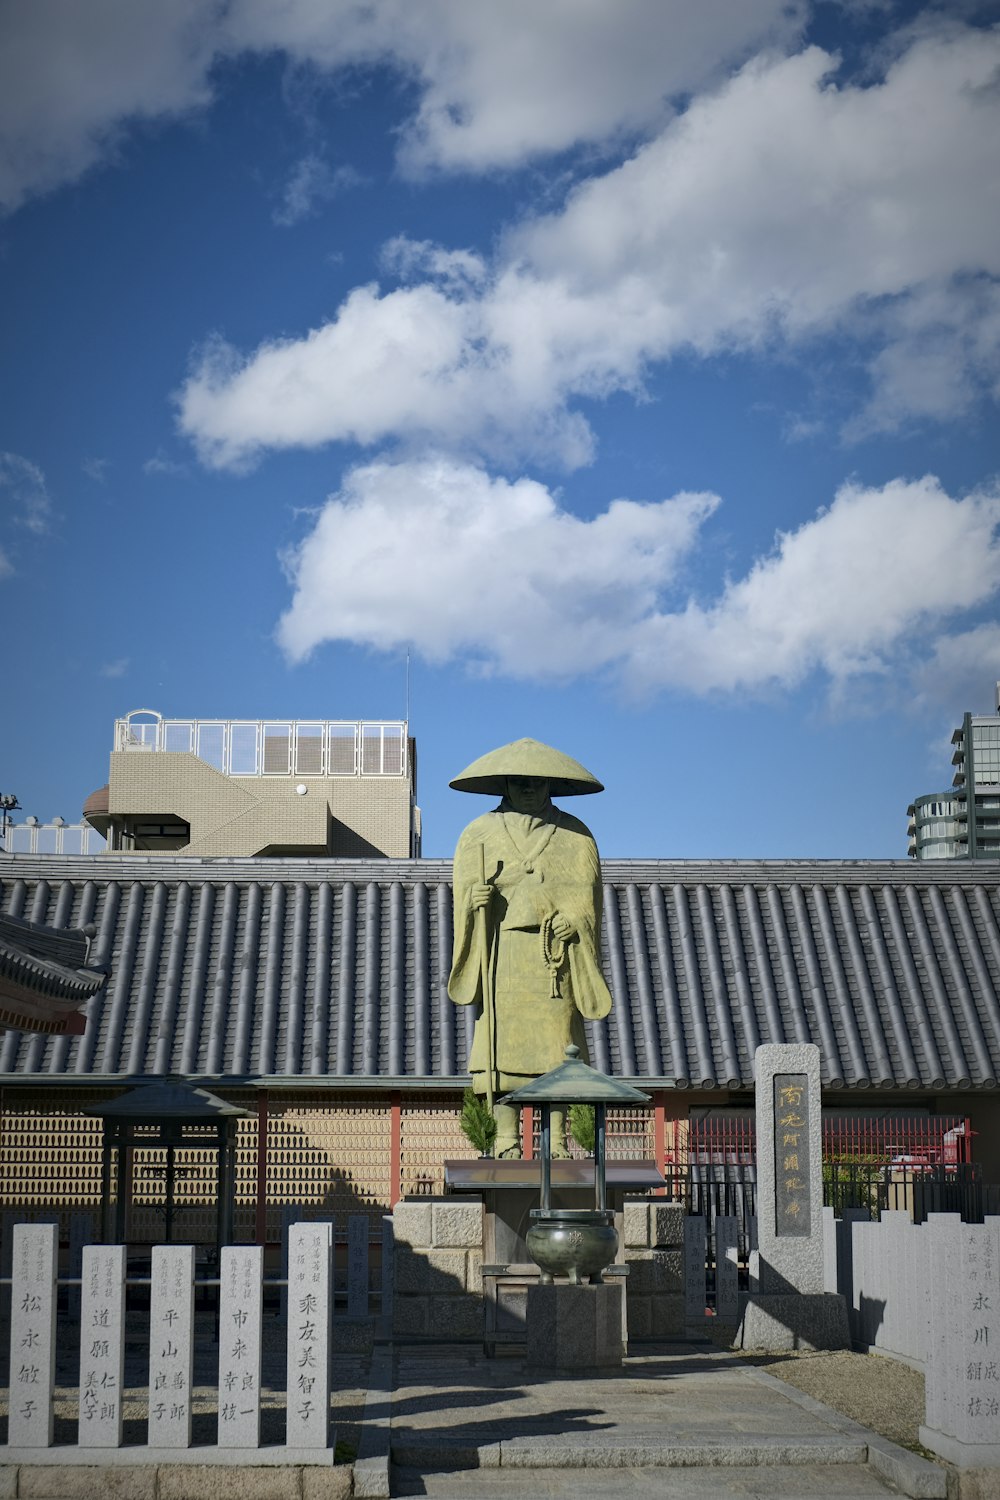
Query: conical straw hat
[(488, 774)]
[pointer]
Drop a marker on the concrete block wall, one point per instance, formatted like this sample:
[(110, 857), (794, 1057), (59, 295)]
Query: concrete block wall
[(653, 1246), (438, 1269)]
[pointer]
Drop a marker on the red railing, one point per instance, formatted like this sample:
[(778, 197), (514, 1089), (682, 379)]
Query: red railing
[(907, 1141)]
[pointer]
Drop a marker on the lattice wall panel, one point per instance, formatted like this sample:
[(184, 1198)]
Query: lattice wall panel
[(50, 1157), (429, 1133), (630, 1135), (327, 1158)]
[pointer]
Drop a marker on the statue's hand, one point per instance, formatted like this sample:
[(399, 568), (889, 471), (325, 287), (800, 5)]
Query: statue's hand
[(481, 897), (563, 927)]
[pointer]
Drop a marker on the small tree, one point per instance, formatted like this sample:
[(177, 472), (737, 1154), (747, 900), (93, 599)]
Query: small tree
[(477, 1123), (582, 1126)]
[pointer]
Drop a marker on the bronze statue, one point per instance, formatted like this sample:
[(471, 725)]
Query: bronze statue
[(527, 894)]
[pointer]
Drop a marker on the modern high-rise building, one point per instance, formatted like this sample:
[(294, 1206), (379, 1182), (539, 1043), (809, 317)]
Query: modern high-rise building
[(964, 822)]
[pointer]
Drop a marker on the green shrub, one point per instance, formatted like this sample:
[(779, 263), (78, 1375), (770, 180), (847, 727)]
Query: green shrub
[(477, 1123), (582, 1126)]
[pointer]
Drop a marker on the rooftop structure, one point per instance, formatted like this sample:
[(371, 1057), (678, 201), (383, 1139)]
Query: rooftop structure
[(55, 837), (229, 788), (964, 822)]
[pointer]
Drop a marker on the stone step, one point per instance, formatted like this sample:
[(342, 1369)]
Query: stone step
[(652, 1450), (815, 1481)]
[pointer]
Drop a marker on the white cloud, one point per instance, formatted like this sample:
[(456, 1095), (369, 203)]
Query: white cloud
[(960, 672), (442, 556), (161, 463), (116, 668), (495, 84), (96, 469), (456, 271), (413, 364), (72, 74), (23, 485), (6, 566), (312, 183), (843, 594), (773, 211)]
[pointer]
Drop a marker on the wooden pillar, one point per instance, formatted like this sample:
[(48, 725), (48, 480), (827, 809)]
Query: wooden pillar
[(260, 1217), (528, 1132), (660, 1130), (395, 1147)]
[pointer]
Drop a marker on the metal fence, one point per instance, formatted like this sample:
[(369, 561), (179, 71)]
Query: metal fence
[(714, 1190), (274, 747)]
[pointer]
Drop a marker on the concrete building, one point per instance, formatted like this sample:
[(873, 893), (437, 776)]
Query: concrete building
[(222, 788), (964, 822)]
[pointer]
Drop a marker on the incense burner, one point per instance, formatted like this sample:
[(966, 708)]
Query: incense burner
[(573, 1242)]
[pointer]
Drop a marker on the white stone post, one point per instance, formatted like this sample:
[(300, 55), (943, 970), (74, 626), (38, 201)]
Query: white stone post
[(695, 1250), (310, 1298), (357, 1266), (102, 1345), (727, 1269), (388, 1274), (34, 1267), (171, 1346), (81, 1233), (240, 1344), (963, 1363)]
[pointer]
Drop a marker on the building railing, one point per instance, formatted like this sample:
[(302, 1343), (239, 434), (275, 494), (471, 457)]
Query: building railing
[(274, 747), (57, 837)]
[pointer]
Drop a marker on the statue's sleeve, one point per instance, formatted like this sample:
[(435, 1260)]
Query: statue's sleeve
[(465, 980), (591, 995)]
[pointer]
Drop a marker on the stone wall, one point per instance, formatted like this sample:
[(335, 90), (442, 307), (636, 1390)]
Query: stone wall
[(438, 1268), (654, 1252)]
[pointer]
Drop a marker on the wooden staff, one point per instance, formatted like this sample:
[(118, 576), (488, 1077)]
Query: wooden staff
[(486, 980)]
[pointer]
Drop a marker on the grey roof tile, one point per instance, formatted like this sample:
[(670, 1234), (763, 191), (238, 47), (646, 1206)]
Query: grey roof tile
[(308, 969)]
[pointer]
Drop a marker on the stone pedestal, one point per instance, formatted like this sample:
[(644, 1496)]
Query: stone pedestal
[(795, 1320), (575, 1327)]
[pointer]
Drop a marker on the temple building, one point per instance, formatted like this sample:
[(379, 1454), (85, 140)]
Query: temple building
[(313, 996)]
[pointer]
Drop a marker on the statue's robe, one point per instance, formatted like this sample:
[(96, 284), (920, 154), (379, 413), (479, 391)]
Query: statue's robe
[(539, 867)]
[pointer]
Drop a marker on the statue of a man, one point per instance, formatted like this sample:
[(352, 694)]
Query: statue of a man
[(527, 894)]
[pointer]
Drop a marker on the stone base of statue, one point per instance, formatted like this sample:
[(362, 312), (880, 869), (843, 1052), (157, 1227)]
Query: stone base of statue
[(794, 1320), (575, 1327)]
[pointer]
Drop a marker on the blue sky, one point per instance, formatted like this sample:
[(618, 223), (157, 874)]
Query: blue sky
[(632, 365)]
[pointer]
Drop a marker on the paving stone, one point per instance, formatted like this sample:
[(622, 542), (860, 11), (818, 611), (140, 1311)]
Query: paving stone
[(85, 1482), (221, 1482), (327, 1484)]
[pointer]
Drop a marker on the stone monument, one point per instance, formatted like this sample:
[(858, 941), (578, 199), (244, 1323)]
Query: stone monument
[(790, 1309), (527, 894)]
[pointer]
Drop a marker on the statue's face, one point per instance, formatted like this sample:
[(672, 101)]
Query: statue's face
[(528, 794)]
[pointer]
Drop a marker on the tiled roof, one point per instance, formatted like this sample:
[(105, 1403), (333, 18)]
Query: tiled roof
[(307, 969), (44, 976)]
